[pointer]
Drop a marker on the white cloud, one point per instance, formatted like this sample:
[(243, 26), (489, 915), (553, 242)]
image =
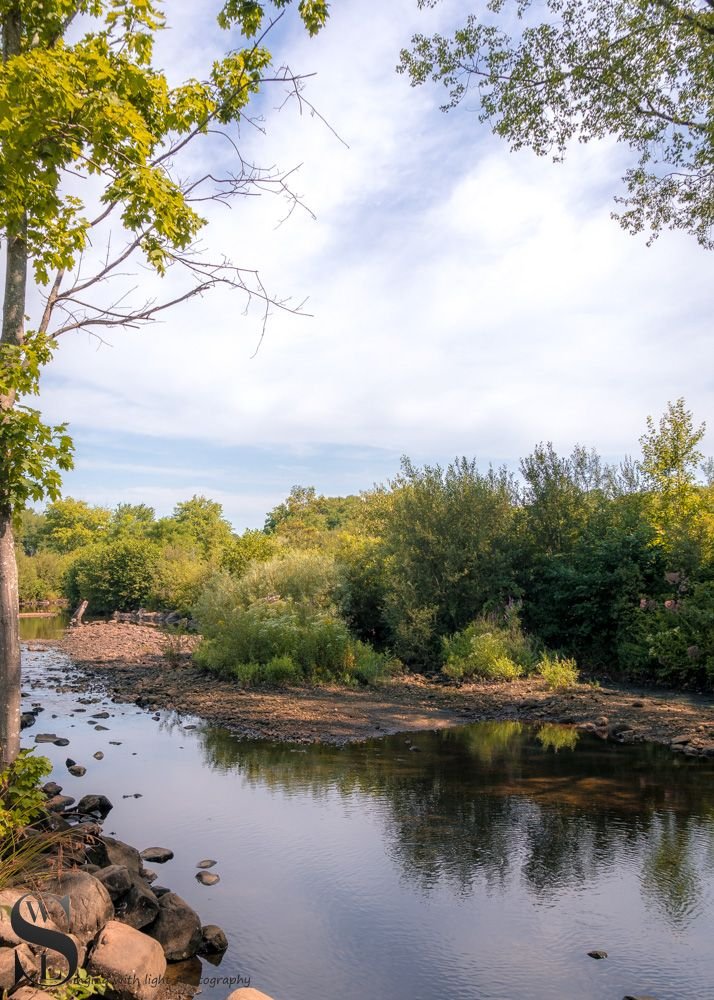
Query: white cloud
[(464, 298)]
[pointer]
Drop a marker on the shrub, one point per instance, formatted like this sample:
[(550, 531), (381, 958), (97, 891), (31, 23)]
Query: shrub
[(117, 576), (277, 641), (489, 647), (299, 576), (367, 666), (21, 801), (557, 672), (180, 579)]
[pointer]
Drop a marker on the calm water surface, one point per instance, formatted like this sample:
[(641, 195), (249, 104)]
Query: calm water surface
[(483, 866)]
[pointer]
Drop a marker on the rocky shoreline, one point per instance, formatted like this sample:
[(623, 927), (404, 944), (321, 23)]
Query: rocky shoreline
[(125, 928), (141, 664)]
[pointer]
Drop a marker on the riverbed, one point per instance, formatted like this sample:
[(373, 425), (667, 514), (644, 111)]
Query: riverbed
[(482, 861)]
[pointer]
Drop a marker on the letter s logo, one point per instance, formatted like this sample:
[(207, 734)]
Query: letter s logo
[(43, 936)]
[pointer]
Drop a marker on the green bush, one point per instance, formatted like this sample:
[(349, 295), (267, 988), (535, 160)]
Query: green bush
[(117, 576), (277, 641), (21, 800), (556, 672), (304, 577), (490, 647)]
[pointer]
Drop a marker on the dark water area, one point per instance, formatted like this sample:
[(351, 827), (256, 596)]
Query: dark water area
[(483, 865), (41, 627)]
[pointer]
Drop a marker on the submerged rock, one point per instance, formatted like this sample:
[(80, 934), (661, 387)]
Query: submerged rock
[(207, 878), (157, 855), (214, 940), (208, 863), (597, 954), (77, 770)]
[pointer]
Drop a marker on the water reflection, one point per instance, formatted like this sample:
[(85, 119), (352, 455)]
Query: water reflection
[(50, 626), (487, 802)]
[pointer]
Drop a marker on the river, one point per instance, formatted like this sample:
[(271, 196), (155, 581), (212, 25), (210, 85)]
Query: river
[(476, 863)]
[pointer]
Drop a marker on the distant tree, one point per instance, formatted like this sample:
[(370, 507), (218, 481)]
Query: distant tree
[(131, 519), (202, 520), (71, 524), (547, 74), (670, 463)]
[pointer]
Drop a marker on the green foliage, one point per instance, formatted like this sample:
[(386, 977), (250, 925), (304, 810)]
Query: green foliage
[(557, 672), (203, 522), (71, 524), (41, 577), (21, 800), (276, 640), (673, 639), (549, 74), (33, 454), (180, 577), (250, 547), (115, 576), (303, 577), (490, 649), (82, 986), (448, 545)]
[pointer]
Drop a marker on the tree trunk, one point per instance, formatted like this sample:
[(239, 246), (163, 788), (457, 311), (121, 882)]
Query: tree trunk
[(9, 647), (13, 331)]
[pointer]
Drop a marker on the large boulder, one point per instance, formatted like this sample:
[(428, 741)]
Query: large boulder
[(116, 879), (132, 962), (90, 903), (8, 937), (28, 961), (139, 906), (177, 928)]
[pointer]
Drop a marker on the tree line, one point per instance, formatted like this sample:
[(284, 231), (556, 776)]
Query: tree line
[(472, 572)]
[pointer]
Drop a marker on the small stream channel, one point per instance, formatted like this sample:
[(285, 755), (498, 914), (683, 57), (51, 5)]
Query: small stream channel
[(482, 865)]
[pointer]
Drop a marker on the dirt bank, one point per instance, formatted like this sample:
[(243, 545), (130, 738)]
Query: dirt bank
[(131, 662)]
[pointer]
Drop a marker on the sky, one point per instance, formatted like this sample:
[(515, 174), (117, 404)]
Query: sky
[(462, 298)]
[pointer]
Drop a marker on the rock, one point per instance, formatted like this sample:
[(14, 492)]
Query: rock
[(597, 954), (157, 855), (120, 853), (90, 903), (101, 729), (116, 879), (8, 937), (132, 962), (31, 993), (61, 741), (208, 863), (46, 737), (207, 878), (640, 996), (98, 755), (679, 741), (214, 940), (100, 715), (52, 788), (177, 928), (98, 804), (59, 802), (159, 890), (77, 770), (248, 993), (139, 907), (148, 875), (27, 959), (27, 719)]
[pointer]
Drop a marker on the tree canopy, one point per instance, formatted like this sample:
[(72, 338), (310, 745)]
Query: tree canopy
[(547, 74)]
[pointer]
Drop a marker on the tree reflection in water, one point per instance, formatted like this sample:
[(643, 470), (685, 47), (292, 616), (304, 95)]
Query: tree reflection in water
[(488, 802)]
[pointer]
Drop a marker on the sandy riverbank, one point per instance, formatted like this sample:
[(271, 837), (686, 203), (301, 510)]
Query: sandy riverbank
[(130, 662)]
